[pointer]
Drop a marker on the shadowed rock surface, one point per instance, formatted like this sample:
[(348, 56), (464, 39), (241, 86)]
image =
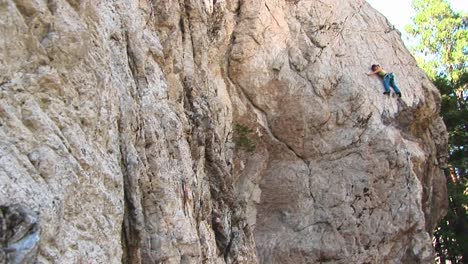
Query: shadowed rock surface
[(19, 235), (213, 131)]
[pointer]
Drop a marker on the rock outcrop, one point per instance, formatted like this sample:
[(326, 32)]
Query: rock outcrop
[(213, 131)]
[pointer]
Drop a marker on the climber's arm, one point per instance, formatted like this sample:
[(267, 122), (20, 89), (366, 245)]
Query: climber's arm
[(374, 72)]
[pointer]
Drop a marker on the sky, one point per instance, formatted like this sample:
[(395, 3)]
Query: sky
[(399, 12)]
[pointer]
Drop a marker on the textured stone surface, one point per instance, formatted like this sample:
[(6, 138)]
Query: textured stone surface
[(217, 131)]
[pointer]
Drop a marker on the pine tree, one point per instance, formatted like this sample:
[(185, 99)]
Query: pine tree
[(441, 37)]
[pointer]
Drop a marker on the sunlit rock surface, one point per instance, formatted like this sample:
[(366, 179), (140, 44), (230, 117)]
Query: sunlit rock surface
[(217, 132)]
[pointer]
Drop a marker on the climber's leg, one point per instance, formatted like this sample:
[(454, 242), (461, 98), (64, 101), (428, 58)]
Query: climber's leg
[(386, 84), (393, 85)]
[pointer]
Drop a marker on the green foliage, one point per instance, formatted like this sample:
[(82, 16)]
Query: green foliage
[(442, 38), (243, 138), (450, 235), (441, 50)]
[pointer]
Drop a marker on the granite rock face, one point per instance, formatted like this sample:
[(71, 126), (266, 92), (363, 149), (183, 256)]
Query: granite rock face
[(210, 131)]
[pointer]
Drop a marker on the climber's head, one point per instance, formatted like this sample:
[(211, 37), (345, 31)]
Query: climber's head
[(375, 67)]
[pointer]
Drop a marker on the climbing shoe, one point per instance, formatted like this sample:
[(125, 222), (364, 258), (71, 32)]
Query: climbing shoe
[(399, 95), (387, 93)]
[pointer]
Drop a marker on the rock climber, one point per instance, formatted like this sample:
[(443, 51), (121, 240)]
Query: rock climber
[(388, 79)]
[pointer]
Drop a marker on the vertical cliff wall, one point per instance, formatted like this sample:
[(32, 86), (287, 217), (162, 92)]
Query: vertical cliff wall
[(236, 131)]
